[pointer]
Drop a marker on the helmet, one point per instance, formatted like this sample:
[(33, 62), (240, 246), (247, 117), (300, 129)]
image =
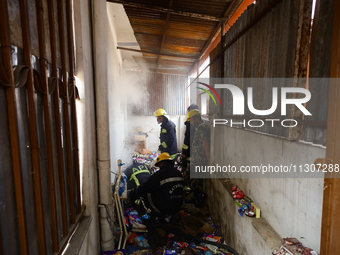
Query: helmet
[(192, 107), (193, 113), (163, 157), (160, 112)]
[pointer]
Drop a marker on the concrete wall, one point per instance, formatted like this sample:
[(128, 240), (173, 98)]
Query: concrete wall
[(86, 125), (117, 106), (152, 128), (293, 207)]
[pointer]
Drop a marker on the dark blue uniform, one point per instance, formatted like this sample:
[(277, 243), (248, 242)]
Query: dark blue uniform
[(163, 192), (168, 137), (136, 174), (188, 138)]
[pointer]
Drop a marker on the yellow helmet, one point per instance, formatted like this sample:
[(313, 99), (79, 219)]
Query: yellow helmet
[(160, 112), (194, 112), (163, 157)]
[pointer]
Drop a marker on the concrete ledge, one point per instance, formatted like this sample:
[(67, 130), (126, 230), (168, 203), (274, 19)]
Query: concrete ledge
[(78, 237), (246, 235), (261, 225)]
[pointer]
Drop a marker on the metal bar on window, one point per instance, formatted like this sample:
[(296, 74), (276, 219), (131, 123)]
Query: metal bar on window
[(73, 99), (48, 126), (33, 126), (56, 95), (66, 109), (13, 127)]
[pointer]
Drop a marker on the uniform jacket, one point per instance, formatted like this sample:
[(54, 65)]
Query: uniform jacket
[(136, 175), (168, 137), (163, 192), (188, 138)]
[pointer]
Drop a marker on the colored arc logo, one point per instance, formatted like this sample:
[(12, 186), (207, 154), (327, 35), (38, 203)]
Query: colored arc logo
[(209, 93)]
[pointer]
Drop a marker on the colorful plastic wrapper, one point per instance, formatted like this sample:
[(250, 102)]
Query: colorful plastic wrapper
[(115, 252)]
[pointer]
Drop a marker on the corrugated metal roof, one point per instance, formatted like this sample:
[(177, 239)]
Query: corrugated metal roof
[(182, 34)]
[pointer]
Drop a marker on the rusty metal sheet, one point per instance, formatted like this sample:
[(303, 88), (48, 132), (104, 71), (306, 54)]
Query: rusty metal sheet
[(166, 91), (267, 50), (215, 8), (320, 64), (185, 35)]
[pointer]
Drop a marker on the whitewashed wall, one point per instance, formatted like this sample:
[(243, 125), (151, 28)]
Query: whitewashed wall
[(293, 207)]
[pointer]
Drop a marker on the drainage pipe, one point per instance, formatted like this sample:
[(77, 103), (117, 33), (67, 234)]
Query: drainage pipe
[(100, 46)]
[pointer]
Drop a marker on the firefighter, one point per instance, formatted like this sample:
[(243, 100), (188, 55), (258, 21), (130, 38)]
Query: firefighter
[(201, 141), (188, 138), (167, 134), (136, 174), (200, 154), (162, 194)]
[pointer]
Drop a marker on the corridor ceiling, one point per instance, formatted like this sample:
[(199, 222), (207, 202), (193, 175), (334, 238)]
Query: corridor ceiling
[(174, 34)]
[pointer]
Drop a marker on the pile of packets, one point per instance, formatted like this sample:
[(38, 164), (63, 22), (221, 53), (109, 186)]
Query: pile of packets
[(145, 158), (292, 246), (175, 248), (248, 207), (137, 243)]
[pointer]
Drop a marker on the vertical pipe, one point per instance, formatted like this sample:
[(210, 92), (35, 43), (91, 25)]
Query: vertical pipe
[(73, 99), (102, 115), (58, 117), (33, 126), (66, 109), (48, 126), (13, 127)]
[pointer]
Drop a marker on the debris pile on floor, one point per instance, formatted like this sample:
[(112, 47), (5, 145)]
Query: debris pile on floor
[(144, 156), (292, 246), (187, 234)]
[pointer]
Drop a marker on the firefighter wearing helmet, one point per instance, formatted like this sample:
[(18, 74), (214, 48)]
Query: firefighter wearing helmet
[(168, 140), (162, 194)]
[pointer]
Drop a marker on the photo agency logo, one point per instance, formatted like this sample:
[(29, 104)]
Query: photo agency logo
[(239, 105)]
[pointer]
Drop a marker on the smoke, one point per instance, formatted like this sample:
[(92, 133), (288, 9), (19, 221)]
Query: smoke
[(130, 97)]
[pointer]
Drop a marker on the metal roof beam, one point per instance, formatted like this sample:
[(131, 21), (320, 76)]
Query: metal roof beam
[(164, 33), (166, 10), (160, 54)]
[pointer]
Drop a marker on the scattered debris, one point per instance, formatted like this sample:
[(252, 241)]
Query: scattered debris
[(248, 207), (292, 246)]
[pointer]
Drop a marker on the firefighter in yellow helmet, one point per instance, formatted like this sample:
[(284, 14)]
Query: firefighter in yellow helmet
[(162, 194), (188, 138), (200, 154), (168, 140)]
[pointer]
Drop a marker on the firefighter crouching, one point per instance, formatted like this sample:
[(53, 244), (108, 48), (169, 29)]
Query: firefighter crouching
[(136, 174), (162, 194)]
